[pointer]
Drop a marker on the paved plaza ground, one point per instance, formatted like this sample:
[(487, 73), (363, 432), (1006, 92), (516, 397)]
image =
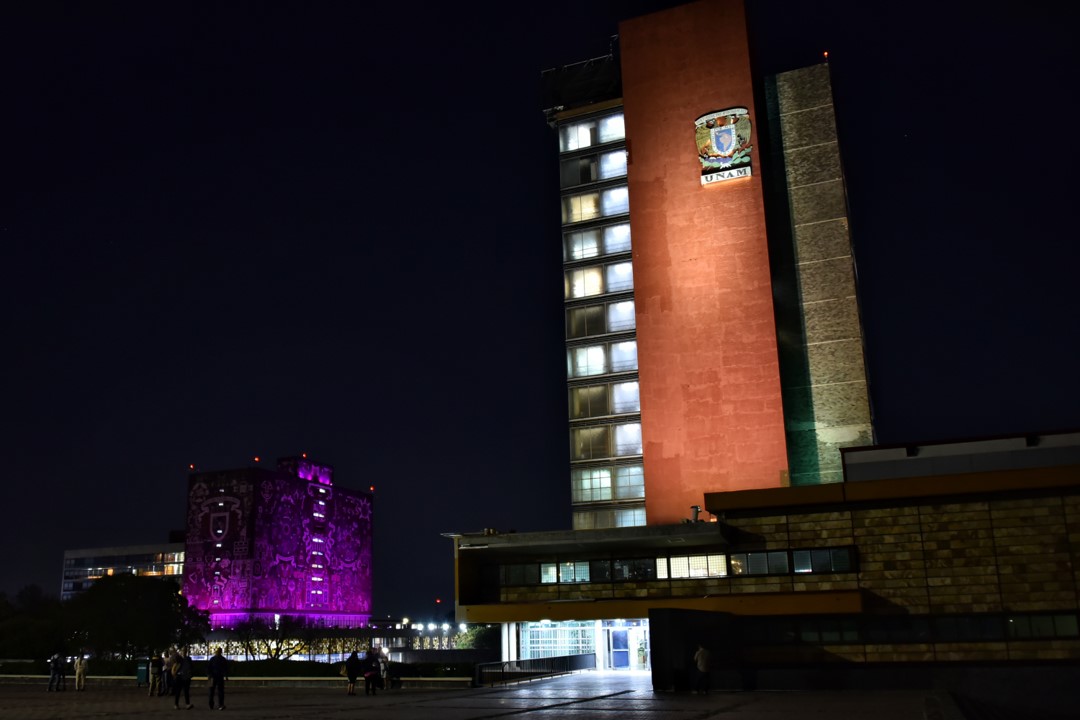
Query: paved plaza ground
[(581, 696)]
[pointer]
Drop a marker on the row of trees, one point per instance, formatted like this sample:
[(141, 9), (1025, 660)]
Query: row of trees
[(125, 617), (119, 616)]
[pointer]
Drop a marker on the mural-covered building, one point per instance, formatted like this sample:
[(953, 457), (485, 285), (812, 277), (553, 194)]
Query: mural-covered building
[(265, 544)]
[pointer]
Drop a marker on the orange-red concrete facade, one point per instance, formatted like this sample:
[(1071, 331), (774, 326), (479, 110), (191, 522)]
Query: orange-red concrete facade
[(711, 411)]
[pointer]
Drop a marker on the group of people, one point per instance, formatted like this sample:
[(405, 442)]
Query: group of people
[(170, 674), (373, 667), (58, 672)]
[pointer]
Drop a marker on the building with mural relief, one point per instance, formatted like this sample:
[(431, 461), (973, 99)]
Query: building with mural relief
[(264, 544)]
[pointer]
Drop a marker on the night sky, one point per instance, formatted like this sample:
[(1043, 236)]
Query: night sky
[(232, 230)]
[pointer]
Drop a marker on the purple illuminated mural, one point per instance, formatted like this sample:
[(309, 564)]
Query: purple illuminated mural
[(264, 543)]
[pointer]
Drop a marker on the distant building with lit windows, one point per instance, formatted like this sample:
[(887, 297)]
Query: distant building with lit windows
[(265, 544), (83, 567)]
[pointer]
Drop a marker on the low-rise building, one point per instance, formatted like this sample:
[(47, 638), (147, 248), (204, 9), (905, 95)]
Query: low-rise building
[(83, 566)]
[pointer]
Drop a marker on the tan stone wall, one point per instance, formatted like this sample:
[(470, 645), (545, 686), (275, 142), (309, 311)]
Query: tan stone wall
[(1034, 555), (892, 565)]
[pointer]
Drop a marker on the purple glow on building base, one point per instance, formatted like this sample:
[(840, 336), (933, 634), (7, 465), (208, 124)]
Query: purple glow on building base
[(265, 544)]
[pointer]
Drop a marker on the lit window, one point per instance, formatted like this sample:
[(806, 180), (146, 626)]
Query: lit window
[(588, 401), (589, 443), (574, 572), (577, 208), (591, 485), (613, 164), (632, 517), (619, 277), (583, 244), (628, 439), (629, 482), (620, 316), (624, 356), (587, 361), (611, 128), (548, 573), (615, 201), (577, 136), (582, 321), (584, 282), (625, 397), (617, 239)]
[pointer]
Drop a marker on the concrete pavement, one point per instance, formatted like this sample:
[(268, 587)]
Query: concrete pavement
[(581, 696)]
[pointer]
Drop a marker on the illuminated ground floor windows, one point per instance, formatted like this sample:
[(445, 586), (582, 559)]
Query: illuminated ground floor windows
[(618, 644)]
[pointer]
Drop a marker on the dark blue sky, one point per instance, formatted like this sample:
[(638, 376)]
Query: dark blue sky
[(245, 229)]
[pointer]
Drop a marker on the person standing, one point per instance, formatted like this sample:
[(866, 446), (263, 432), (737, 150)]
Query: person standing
[(56, 672), (384, 672), (167, 672), (80, 673), (371, 672), (702, 659), (352, 670), (157, 666), (218, 669), (182, 679)]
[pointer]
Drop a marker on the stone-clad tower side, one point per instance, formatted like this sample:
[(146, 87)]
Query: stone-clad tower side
[(826, 400)]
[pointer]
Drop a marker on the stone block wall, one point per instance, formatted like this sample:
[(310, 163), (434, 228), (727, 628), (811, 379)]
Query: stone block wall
[(826, 402)]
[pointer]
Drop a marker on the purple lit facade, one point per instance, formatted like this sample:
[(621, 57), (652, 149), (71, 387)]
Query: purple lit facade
[(264, 543)]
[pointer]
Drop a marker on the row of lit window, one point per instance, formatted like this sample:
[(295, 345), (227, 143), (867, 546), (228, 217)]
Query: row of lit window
[(604, 441), (591, 168), (600, 319), (602, 359), (983, 627), (603, 518), (597, 204), (128, 560), (602, 400), (596, 242), (715, 565), (587, 133), (598, 280), (623, 482)]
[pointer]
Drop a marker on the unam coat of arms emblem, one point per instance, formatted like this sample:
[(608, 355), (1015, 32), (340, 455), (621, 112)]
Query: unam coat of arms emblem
[(723, 144)]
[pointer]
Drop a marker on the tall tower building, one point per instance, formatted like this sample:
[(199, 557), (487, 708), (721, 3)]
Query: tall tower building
[(712, 330)]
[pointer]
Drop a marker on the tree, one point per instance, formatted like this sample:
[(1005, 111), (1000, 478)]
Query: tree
[(129, 616), (33, 627), (478, 637)]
